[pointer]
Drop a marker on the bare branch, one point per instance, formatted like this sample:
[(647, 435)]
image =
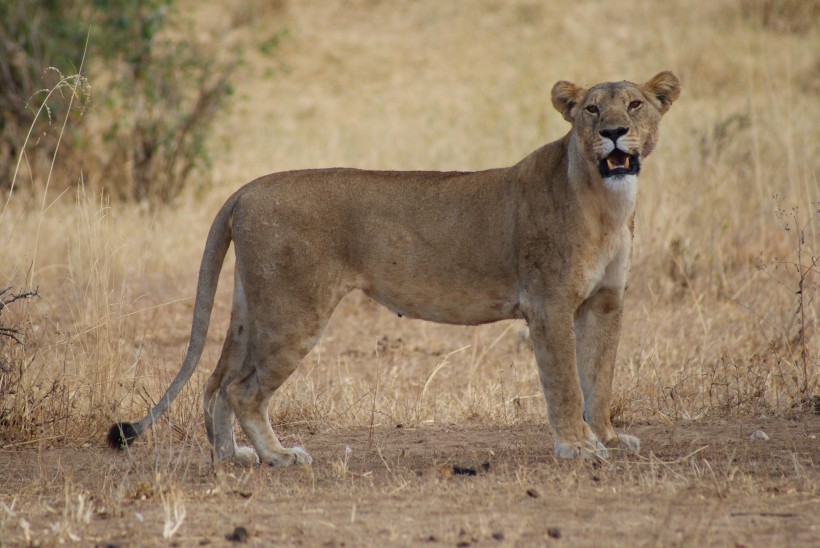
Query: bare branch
[(4, 302), (11, 333), (6, 298)]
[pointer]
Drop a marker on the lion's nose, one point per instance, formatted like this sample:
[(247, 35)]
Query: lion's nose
[(614, 133)]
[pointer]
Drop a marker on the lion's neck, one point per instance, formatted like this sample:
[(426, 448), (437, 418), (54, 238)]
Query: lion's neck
[(623, 196), (614, 198)]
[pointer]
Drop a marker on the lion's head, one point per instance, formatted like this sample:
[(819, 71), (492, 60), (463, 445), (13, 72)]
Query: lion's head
[(616, 123)]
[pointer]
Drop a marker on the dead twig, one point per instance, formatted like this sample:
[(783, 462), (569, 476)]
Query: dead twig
[(5, 300), (11, 333)]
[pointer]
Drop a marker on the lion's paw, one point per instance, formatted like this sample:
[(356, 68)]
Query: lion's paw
[(302, 456), (245, 456), (624, 444), (628, 444), (588, 449), (286, 457)]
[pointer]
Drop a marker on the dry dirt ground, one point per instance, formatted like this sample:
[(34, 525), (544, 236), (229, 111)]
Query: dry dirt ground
[(702, 483)]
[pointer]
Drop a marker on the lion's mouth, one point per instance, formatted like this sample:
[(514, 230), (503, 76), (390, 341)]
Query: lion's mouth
[(619, 163)]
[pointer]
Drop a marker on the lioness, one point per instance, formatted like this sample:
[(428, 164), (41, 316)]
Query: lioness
[(547, 240)]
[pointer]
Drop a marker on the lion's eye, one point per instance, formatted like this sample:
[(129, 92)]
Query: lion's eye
[(592, 109), (635, 104)]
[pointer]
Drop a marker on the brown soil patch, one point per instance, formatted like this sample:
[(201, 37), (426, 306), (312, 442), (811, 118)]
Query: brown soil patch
[(700, 483)]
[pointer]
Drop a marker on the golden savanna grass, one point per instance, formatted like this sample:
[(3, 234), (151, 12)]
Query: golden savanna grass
[(714, 328)]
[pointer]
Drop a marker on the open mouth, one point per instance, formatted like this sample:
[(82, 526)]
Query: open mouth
[(619, 163)]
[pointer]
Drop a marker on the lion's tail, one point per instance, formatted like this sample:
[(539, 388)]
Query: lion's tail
[(122, 434)]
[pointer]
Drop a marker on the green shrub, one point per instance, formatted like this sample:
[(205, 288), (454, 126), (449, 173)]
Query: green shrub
[(146, 131), (33, 37)]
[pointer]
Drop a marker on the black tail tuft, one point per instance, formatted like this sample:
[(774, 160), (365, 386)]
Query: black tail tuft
[(121, 435)]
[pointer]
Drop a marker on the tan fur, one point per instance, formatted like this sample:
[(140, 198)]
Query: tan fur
[(547, 240)]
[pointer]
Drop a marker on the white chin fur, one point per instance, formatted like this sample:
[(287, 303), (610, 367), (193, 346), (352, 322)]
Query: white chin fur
[(622, 183), (625, 190)]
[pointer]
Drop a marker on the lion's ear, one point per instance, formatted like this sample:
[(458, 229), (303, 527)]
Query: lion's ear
[(665, 87), (565, 97)]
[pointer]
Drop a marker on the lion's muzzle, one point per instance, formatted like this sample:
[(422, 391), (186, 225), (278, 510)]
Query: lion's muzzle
[(619, 162)]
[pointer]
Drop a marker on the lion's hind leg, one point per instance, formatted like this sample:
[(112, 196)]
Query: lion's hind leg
[(219, 417), (283, 328), (264, 370)]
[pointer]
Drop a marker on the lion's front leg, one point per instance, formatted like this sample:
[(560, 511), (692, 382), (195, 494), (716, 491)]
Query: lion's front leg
[(553, 341), (597, 334)]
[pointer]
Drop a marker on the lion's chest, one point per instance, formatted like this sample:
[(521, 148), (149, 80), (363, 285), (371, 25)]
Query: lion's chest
[(607, 266)]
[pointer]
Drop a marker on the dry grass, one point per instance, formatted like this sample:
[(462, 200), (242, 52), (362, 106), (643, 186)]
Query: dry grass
[(712, 328)]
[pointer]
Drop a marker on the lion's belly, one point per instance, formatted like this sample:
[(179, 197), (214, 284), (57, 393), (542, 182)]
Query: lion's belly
[(456, 303)]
